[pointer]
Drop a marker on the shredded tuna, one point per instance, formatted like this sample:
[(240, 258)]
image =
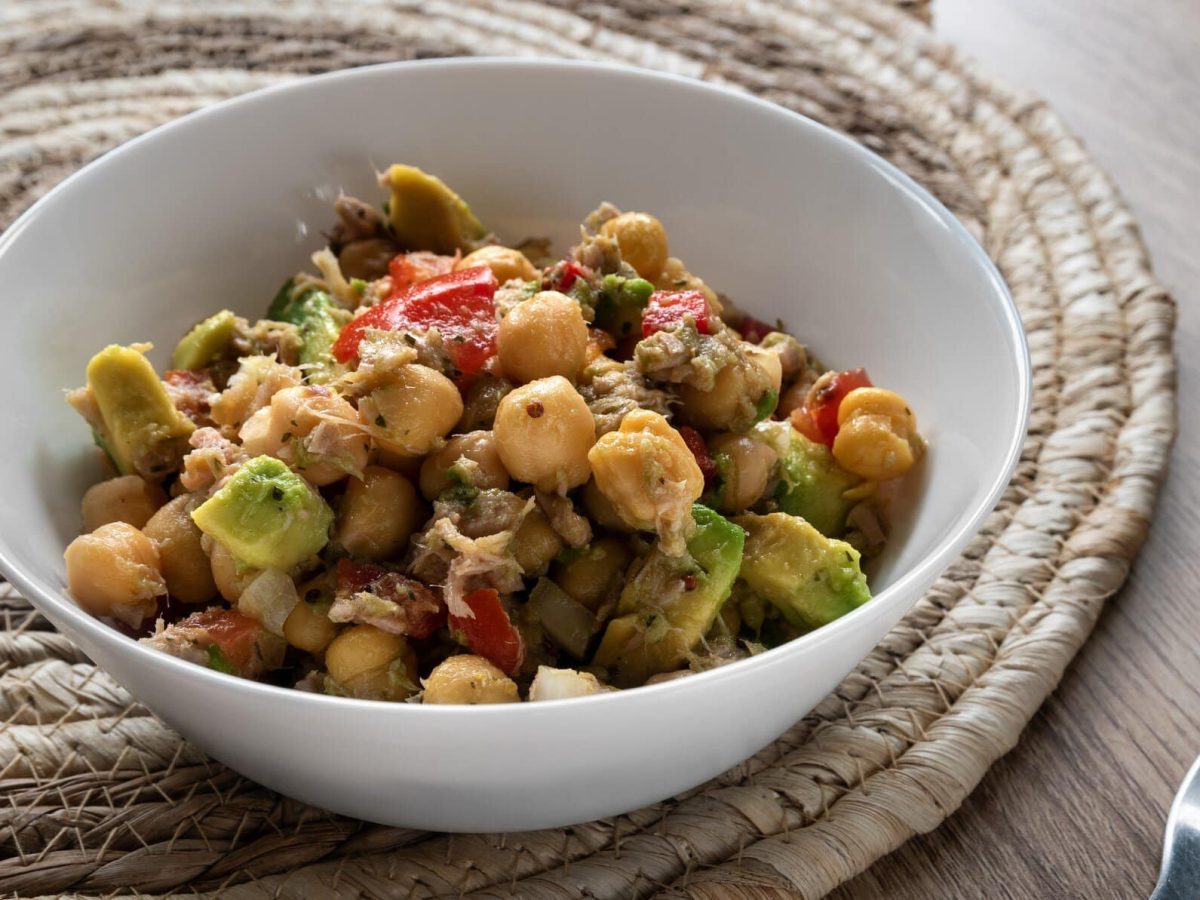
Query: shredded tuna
[(368, 608), (574, 529), (213, 458), (462, 563), (357, 221), (335, 282), (681, 355), (266, 337), (866, 528), (83, 401), (481, 402), (613, 389), (192, 393), (190, 642), (251, 387)]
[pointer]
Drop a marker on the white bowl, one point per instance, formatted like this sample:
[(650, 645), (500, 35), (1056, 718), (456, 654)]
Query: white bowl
[(787, 217)]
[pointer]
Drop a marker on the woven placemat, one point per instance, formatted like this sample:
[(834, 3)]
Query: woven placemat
[(101, 798)]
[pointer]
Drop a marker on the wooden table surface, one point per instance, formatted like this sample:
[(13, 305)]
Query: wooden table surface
[(1078, 808)]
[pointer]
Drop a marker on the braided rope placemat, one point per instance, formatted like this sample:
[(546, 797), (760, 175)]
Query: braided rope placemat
[(101, 798)]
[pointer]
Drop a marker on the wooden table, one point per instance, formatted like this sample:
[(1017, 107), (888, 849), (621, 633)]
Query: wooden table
[(1078, 808)]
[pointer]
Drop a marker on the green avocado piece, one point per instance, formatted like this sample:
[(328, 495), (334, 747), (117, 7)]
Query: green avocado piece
[(810, 578), (671, 602), (205, 342), (267, 516), (620, 304), (140, 428), (813, 486), (425, 214), (320, 320)]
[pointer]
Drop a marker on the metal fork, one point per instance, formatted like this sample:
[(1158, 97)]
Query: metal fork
[(1179, 877)]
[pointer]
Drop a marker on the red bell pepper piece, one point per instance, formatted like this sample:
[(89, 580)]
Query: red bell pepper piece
[(704, 459), (408, 269), (668, 307), (458, 304), (823, 410), (804, 424), (421, 610), (491, 632), (564, 274)]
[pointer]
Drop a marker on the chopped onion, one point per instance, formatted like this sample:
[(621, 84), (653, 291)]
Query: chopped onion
[(561, 684), (269, 598)]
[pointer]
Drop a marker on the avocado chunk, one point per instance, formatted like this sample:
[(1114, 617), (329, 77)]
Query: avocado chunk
[(620, 304), (671, 602), (812, 485), (267, 516), (133, 418), (320, 320), (205, 342), (425, 214), (810, 578)]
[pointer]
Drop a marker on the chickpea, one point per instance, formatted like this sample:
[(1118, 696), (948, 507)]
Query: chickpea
[(650, 475), (535, 544), (378, 514), (793, 398), (745, 465), (544, 431), (543, 336), (643, 242), (313, 430), (877, 434), (129, 498), (369, 663), (469, 679), (768, 362), (591, 574), (792, 355), (229, 574), (600, 509), (184, 564), (409, 416), (506, 264), (114, 572), (408, 466), (738, 392), (599, 343), (366, 259), (307, 626), (477, 446)]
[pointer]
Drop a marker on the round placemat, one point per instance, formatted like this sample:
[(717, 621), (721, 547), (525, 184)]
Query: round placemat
[(101, 798)]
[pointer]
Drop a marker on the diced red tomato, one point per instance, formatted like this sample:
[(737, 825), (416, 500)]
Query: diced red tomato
[(490, 633), (704, 459), (563, 275), (458, 304), (234, 634), (668, 307), (408, 269), (804, 424), (754, 330), (421, 610), (823, 410)]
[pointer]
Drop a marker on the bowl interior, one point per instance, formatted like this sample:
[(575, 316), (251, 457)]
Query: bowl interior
[(786, 218)]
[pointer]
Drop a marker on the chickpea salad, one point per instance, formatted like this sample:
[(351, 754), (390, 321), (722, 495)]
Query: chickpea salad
[(445, 470)]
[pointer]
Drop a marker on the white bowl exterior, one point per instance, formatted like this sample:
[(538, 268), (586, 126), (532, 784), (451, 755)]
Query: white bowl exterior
[(787, 218)]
